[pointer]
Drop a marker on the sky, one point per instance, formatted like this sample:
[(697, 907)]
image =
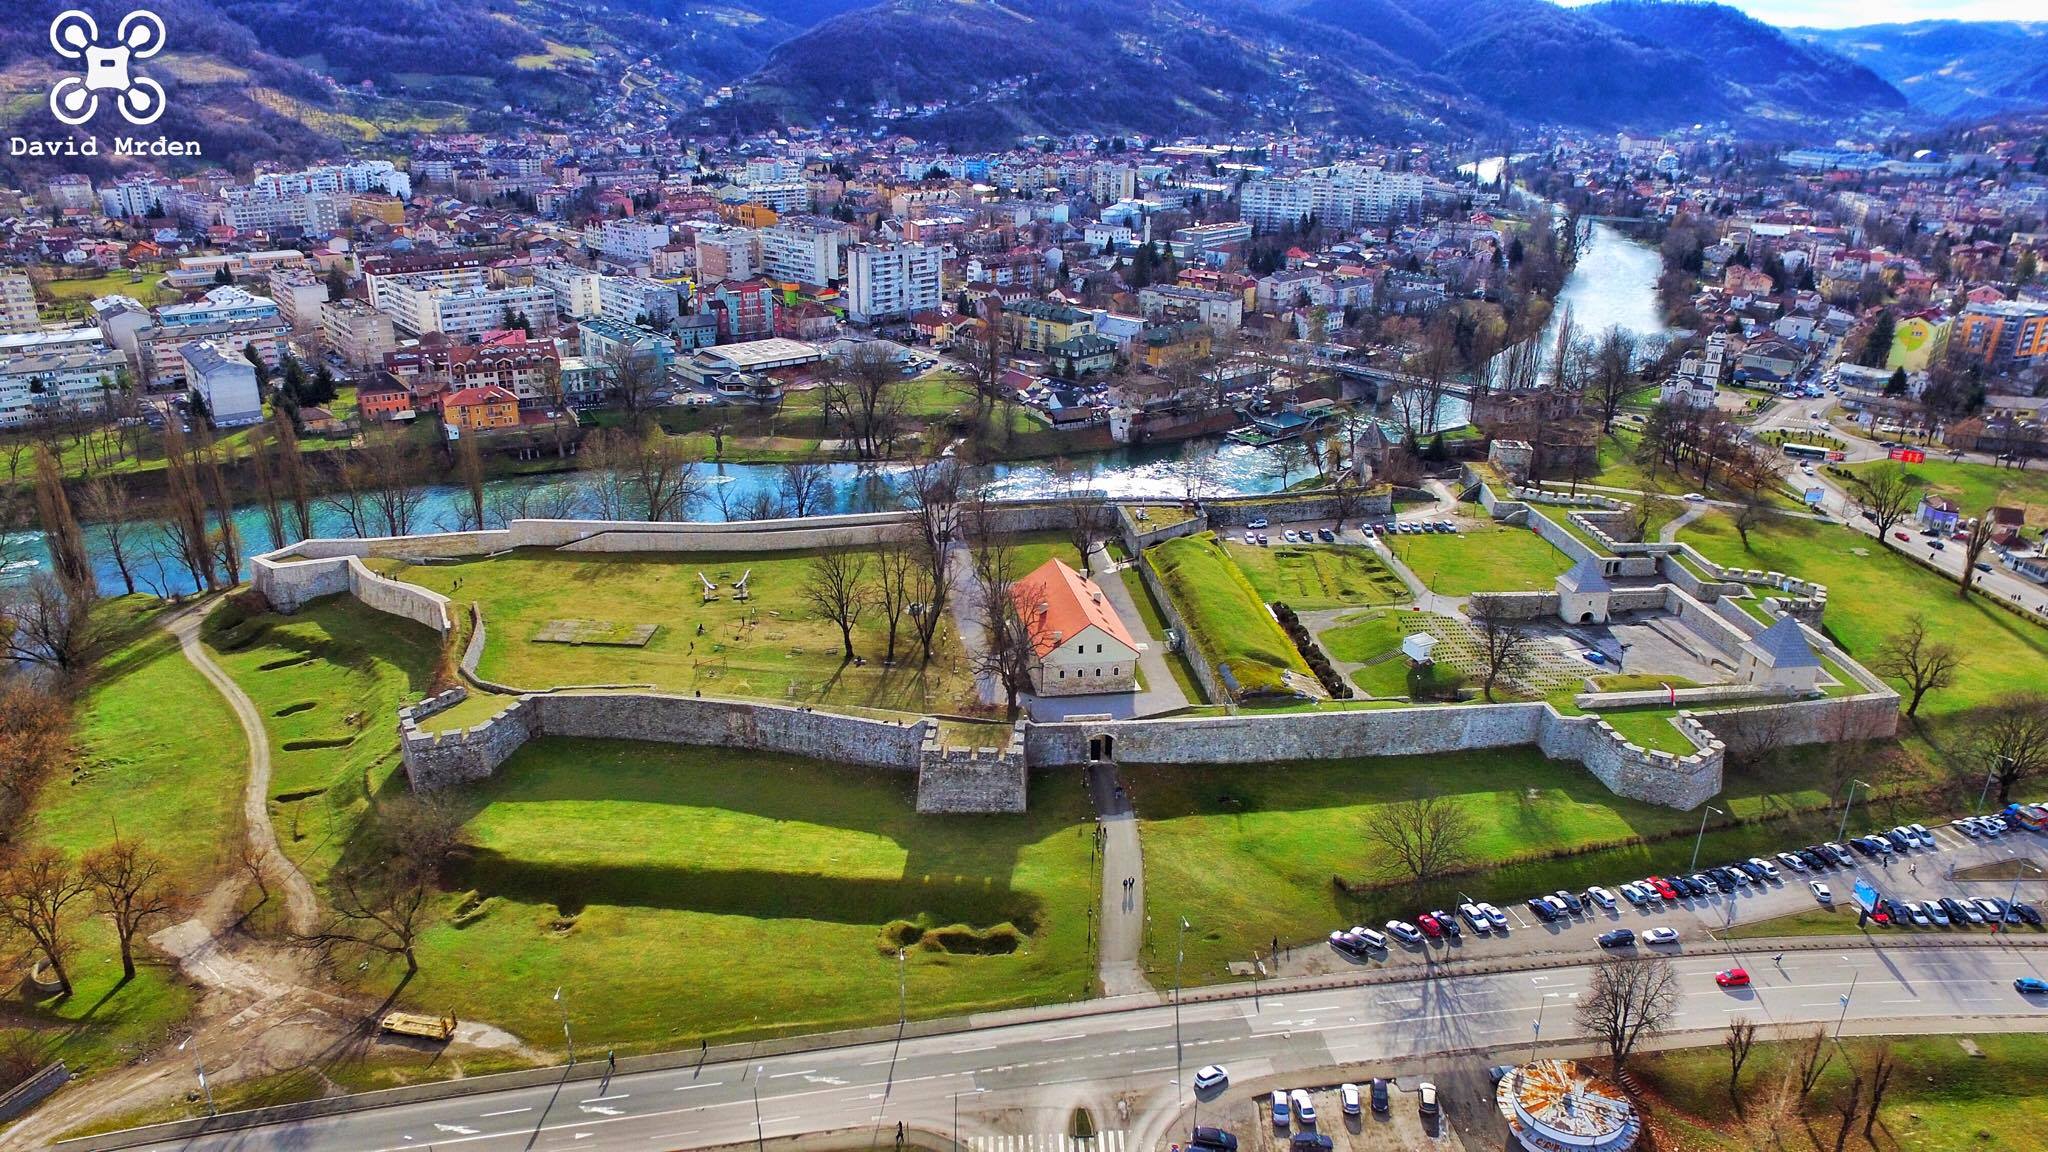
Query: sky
[(1849, 13)]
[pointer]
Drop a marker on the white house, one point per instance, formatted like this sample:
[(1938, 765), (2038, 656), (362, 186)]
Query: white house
[(226, 383), (1079, 645)]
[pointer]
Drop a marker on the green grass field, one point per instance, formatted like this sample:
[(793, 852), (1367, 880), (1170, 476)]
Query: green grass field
[(1975, 487), (1871, 590), (1249, 853), (328, 681), (1941, 1098), (159, 753), (686, 893), (771, 647), (1311, 576), (1490, 558), (1362, 636), (1230, 622)]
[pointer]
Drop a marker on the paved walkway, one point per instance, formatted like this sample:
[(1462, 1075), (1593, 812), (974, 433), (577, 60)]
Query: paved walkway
[(301, 906), (1123, 909), (1669, 533)]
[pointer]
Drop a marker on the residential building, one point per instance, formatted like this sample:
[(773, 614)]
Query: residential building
[(806, 249), (356, 332), (481, 409), (56, 376), (138, 197), (627, 240), (1037, 325), (745, 309), (1222, 312), (1343, 197), (254, 210), (727, 254), (636, 300), (159, 349), (2004, 334), (18, 311), (225, 304), (225, 382), (299, 295), (1080, 356), (605, 343), (1919, 340), (1079, 645), (575, 288), (421, 304), (1768, 361), (892, 281)]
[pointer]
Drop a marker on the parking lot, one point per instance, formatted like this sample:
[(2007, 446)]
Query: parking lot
[(1402, 1128), (1920, 875)]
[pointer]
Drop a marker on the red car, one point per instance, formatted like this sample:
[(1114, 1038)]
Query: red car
[(1429, 926), (1732, 978), (1664, 888)]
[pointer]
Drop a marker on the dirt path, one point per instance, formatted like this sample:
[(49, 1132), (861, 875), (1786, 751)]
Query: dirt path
[(302, 908)]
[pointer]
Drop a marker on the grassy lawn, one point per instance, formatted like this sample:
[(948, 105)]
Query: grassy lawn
[(159, 752), (1870, 590), (686, 893), (1364, 636), (1489, 558), (1230, 622), (1975, 487), (1941, 1099), (771, 647), (1650, 728), (1248, 853), (1310, 576), (1839, 920), (328, 681)]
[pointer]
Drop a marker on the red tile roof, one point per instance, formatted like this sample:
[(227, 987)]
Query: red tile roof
[(1071, 603)]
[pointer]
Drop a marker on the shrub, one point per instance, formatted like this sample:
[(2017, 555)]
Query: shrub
[(961, 940)]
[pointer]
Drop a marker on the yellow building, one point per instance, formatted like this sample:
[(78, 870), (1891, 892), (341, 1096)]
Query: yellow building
[(479, 408), (1918, 340), (377, 206), (1036, 325)]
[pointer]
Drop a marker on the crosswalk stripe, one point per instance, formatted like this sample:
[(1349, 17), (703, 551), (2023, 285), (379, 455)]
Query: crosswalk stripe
[(1111, 1140)]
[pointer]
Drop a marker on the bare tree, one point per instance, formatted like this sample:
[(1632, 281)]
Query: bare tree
[(1420, 838), (932, 487), (1974, 544), (37, 887), (1883, 1063), (107, 502), (268, 496), (381, 901), (896, 569), (805, 486), (226, 537), (1285, 459), (1885, 494), (129, 886), (292, 481), (1613, 376), (634, 375), (2010, 740), (1005, 610), (1812, 1057), (1848, 1104), (1772, 1111), (1737, 1042), (1629, 999), (863, 390), (469, 464), (1084, 509), (35, 742), (1753, 511), (640, 475), (1922, 662), (1347, 500), (65, 539), (47, 624), (1506, 649), (835, 586)]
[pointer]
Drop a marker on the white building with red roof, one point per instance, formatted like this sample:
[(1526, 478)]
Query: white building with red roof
[(1080, 646)]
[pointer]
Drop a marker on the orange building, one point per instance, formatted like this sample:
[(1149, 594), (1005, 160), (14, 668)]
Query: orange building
[(2003, 334), (479, 408)]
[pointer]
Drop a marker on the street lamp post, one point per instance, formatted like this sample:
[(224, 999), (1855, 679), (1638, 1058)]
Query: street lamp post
[(1989, 778), (1697, 840), (1536, 1035), (902, 993), (760, 1141), (566, 1038), (1180, 951), (199, 1063), (1847, 801), (956, 1117), (1854, 975)]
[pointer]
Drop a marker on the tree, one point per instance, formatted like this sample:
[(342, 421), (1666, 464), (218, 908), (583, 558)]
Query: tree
[(932, 487), (1848, 1103), (1629, 999), (863, 390), (129, 886), (469, 464), (35, 741), (381, 901), (292, 482), (1974, 544), (804, 486), (1877, 346), (2010, 741), (187, 522), (1009, 627), (107, 502), (896, 568), (1883, 1063), (1505, 646), (1922, 662), (1740, 1038), (48, 624), (1285, 459), (635, 374), (66, 541), (644, 476), (37, 887), (1885, 494), (1751, 512), (1084, 509), (1421, 838), (1811, 1057), (835, 587)]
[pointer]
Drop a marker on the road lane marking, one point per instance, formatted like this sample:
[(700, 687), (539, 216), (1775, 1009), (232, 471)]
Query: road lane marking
[(686, 1087), (782, 1075), (602, 1099), (1064, 1039), (506, 1112), (673, 1135)]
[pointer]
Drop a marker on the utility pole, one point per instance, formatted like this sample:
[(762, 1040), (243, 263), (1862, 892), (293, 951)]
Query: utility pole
[(199, 1063), (566, 1038), (759, 1140), (1846, 802), (902, 994)]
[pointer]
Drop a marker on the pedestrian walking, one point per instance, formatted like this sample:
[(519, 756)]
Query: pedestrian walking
[(1779, 959), (1913, 869)]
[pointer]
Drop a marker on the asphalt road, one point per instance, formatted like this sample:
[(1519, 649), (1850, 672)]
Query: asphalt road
[(1002, 1075)]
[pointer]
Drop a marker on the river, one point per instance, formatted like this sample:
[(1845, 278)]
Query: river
[(1613, 284)]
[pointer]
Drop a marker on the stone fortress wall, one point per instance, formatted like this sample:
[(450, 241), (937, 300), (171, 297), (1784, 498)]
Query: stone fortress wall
[(957, 780)]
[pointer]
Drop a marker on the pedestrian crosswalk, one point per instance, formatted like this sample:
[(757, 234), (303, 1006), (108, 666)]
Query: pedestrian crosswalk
[(1111, 1141)]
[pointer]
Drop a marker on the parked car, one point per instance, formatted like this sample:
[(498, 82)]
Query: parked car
[(1476, 919), (1379, 1095), (1732, 978), (1326, 536), (1346, 943), (1540, 909), (1661, 936), (1663, 887), (1936, 913), (1429, 926), (1207, 1078), (1260, 522), (1619, 938), (1915, 914), (1404, 932), (1769, 869), (1960, 912), (1571, 902), (1821, 893), (1425, 1094), (1791, 862), (2028, 913), (1447, 922), (1310, 1142), (1213, 1139), (1925, 837), (1369, 938), (1601, 896), (1633, 893), (1495, 917), (1280, 1110), (1348, 1094), (1304, 1108)]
